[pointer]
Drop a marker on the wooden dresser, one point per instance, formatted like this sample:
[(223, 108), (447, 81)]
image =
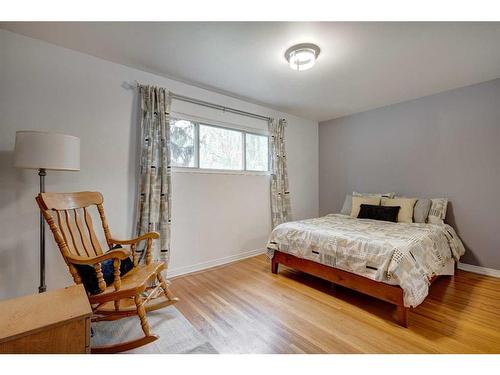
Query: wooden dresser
[(53, 322)]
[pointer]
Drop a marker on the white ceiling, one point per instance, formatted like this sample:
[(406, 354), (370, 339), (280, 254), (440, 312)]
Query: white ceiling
[(361, 65)]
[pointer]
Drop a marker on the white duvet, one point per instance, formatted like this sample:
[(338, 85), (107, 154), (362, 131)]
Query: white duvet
[(406, 254)]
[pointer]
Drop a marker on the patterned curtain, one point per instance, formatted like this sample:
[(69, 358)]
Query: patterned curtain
[(154, 201), (280, 195)]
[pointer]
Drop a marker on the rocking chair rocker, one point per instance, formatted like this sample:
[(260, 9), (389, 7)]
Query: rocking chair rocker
[(66, 214)]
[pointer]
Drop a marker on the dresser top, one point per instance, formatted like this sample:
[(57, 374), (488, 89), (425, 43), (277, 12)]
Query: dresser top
[(29, 314)]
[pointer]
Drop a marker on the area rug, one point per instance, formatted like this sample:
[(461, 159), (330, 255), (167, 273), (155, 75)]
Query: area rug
[(177, 335)]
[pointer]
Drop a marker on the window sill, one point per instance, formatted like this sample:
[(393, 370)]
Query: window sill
[(219, 171)]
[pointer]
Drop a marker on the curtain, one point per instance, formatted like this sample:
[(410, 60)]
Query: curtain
[(280, 195), (154, 200)]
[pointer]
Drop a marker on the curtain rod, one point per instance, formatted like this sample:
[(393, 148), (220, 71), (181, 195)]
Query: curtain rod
[(215, 106)]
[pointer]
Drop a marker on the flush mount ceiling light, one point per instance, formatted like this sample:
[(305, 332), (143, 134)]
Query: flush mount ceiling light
[(302, 56)]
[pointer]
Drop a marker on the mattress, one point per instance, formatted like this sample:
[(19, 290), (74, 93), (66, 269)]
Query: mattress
[(404, 254)]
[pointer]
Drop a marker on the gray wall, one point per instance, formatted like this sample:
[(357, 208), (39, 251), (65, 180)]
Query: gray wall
[(444, 145)]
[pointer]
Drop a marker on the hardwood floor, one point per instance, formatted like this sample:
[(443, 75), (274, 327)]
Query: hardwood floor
[(243, 308)]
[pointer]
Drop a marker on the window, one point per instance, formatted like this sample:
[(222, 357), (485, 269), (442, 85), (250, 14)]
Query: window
[(206, 146)]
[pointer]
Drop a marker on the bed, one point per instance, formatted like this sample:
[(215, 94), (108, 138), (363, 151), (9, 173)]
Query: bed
[(395, 262)]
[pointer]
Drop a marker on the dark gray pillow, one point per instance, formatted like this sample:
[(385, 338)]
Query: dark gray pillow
[(347, 207), (421, 210)]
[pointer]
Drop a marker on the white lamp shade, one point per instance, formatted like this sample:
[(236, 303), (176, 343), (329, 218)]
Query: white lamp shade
[(37, 150)]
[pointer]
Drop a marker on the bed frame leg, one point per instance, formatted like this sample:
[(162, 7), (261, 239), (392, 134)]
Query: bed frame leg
[(402, 316), (274, 265)]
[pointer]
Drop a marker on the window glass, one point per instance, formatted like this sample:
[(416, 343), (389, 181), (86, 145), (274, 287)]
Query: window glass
[(256, 152), (220, 148), (182, 141)]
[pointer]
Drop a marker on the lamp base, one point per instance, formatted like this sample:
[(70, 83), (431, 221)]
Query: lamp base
[(42, 288)]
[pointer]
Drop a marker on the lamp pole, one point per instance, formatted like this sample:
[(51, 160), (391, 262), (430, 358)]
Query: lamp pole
[(41, 151), (42, 288)]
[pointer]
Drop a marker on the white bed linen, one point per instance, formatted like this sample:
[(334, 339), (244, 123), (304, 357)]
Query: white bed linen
[(404, 254)]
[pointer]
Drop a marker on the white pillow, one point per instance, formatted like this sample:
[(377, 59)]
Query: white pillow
[(347, 207), (437, 213), (379, 195)]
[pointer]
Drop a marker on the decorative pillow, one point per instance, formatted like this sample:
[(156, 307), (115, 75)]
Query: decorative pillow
[(368, 211), (88, 274), (380, 195), (437, 212), (358, 201), (405, 214), (347, 207), (421, 210)]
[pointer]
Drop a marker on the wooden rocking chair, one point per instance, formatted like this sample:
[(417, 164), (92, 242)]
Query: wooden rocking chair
[(69, 218)]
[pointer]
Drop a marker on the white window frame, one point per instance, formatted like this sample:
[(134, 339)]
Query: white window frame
[(197, 121)]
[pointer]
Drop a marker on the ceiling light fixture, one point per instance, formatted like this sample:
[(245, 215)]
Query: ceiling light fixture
[(302, 56)]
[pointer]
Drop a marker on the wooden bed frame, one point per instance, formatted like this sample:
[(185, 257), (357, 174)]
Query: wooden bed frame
[(389, 293)]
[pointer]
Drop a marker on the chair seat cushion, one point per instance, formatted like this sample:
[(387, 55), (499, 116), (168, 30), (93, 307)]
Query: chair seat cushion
[(133, 282), (89, 277)]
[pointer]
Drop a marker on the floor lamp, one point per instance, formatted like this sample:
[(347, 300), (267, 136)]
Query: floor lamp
[(46, 151)]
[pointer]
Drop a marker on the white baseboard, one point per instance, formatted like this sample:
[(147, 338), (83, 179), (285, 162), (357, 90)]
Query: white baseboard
[(478, 269), (173, 272)]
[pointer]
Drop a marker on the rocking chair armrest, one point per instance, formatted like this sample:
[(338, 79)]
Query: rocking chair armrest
[(112, 254), (145, 236)]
